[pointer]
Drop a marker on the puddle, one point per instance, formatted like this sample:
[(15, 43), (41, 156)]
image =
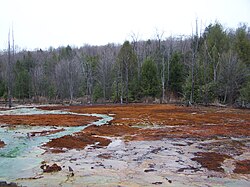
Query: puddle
[(19, 158)]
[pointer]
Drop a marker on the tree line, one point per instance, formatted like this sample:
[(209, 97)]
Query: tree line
[(207, 67)]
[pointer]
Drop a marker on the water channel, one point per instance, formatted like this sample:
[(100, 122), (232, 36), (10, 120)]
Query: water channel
[(19, 158)]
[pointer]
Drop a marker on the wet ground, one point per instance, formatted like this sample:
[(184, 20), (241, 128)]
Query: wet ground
[(149, 145)]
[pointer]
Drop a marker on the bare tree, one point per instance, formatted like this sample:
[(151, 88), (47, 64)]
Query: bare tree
[(135, 48), (232, 74), (107, 60), (169, 53), (194, 53), (160, 61), (9, 67)]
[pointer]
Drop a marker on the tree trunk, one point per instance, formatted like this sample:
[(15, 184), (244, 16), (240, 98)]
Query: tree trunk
[(121, 96), (192, 75), (9, 73), (91, 87), (117, 87), (205, 96), (225, 96), (168, 79), (126, 84), (163, 80), (215, 74), (195, 49)]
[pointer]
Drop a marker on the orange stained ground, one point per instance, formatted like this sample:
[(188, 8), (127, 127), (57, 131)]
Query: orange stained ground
[(47, 120), (154, 122), (165, 114), (242, 167), (172, 120), (147, 122)]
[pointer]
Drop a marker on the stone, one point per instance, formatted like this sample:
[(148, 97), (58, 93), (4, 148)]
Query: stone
[(49, 169)]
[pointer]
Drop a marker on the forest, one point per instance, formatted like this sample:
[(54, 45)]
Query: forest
[(207, 67)]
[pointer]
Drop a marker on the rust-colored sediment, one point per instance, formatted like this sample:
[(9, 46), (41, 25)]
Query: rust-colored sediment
[(90, 136), (47, 120), (111, 130), (174, 121), (193, 131), (165, 114), (242, 167), (211, 160), (149, 122), (78, 141), (2, 144)]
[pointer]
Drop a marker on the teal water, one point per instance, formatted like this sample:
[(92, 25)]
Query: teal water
[(20, 156)]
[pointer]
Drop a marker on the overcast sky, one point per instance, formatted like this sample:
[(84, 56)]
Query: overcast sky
[(44, 23)]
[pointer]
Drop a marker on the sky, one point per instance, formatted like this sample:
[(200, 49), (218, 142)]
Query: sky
[(45, 23)]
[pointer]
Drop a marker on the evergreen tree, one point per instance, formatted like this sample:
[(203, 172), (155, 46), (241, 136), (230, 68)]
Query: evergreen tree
[(149, 79), (127, 63), (177, 74), (242, 45), (22, 80)]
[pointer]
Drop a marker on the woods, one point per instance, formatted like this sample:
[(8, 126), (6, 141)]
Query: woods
[(209, 67)]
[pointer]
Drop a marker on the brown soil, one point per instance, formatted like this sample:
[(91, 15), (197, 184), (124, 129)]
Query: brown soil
[(165, 114), (2, 144), (211, 160), (194, 131), (111, 130), (175, 121), (150, 122), (155, 122), (242, 167), (79, 141), (90, 136), (47, 120)]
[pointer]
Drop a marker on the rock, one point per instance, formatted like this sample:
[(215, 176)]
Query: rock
[(2, 144), (70, 169), (149, 170), (71, 172), (157, 183), (104, 155), (168, 180), (151, 165), (155, 151), (5, 184), (48, 169)]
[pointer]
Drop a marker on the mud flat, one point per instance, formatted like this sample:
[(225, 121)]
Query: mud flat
[(149, 145), (166, 162), (20, 156)]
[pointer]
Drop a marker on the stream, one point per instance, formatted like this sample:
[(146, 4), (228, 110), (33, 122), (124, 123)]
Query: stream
[(19, 158)]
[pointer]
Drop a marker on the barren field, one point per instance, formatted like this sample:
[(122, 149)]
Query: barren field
[(144, 145)]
